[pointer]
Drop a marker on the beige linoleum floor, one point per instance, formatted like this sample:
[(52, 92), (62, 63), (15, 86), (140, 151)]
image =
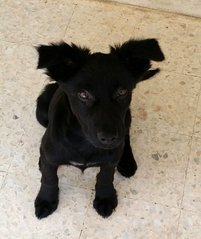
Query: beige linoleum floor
[(188, 7), (163, 199)]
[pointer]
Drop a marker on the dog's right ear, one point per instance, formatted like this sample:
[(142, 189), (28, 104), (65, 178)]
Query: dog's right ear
[(61, 60)]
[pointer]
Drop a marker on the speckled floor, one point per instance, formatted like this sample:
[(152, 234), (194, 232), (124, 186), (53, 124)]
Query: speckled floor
[(187, 7), (163, 199)]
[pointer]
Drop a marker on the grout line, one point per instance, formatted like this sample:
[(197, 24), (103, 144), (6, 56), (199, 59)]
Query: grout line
[(179, 73), (196, 137), (196, 111), (74, 9), (177, 231), (3, 180), (151, 202), (187, 166), (146, 8), (6, 175), (186, 172), (86, 215), (168, 132)]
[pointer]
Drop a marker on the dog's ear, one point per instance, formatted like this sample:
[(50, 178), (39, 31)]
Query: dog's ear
[(61, 60), (136, 55)]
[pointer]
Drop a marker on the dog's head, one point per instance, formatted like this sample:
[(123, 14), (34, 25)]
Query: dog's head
[(99, 86)]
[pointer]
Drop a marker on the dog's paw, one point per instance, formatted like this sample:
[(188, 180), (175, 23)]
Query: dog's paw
[(127, 170), (105, 206), (44, 208)]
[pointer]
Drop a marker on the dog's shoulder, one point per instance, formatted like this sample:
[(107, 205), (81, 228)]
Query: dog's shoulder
[(59, 107)]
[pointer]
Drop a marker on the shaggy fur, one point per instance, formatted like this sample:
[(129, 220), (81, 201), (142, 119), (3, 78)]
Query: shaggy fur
[(87, 117)]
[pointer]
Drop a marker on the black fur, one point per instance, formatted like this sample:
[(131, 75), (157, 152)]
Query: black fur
[(86, 113), (43, 103)]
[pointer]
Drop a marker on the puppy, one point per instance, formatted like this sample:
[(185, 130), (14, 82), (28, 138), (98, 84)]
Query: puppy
[(87, 117)]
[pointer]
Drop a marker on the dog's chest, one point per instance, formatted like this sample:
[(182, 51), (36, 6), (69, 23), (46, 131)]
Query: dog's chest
[(84, 164), (79, 155), (87, 159)]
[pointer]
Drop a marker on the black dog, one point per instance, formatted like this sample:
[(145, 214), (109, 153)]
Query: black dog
[(87, 115)]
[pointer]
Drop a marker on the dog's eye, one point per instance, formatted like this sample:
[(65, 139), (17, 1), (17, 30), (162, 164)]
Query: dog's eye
[(121, 92), (85, 95)]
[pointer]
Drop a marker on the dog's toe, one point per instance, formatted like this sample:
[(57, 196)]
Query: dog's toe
[(105, 206), (44, 208)]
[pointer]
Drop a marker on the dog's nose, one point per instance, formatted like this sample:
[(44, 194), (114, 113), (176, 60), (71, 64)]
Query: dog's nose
[(107, 139)]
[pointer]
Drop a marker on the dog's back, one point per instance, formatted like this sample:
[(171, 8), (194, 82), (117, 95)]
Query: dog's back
[(43, 103)]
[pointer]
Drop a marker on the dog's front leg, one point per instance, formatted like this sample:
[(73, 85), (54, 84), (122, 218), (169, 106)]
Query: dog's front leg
[(127, 165), (47, 200), (106, 198)]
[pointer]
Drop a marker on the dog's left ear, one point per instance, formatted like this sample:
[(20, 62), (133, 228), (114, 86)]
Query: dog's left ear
[(136, 55)]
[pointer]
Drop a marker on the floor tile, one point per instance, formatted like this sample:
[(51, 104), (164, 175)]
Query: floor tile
[(24, 23), (94, 22), (191, 8), (197, 126), (62, 234), (192, 192), (165, 124), (132, 219), (189, 225), (179, 38), (17, 217), (22, 55), (162, 160), (73, 176), (21, 84), (156, 148), (158, 185), (2, 178), (167, 103)]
